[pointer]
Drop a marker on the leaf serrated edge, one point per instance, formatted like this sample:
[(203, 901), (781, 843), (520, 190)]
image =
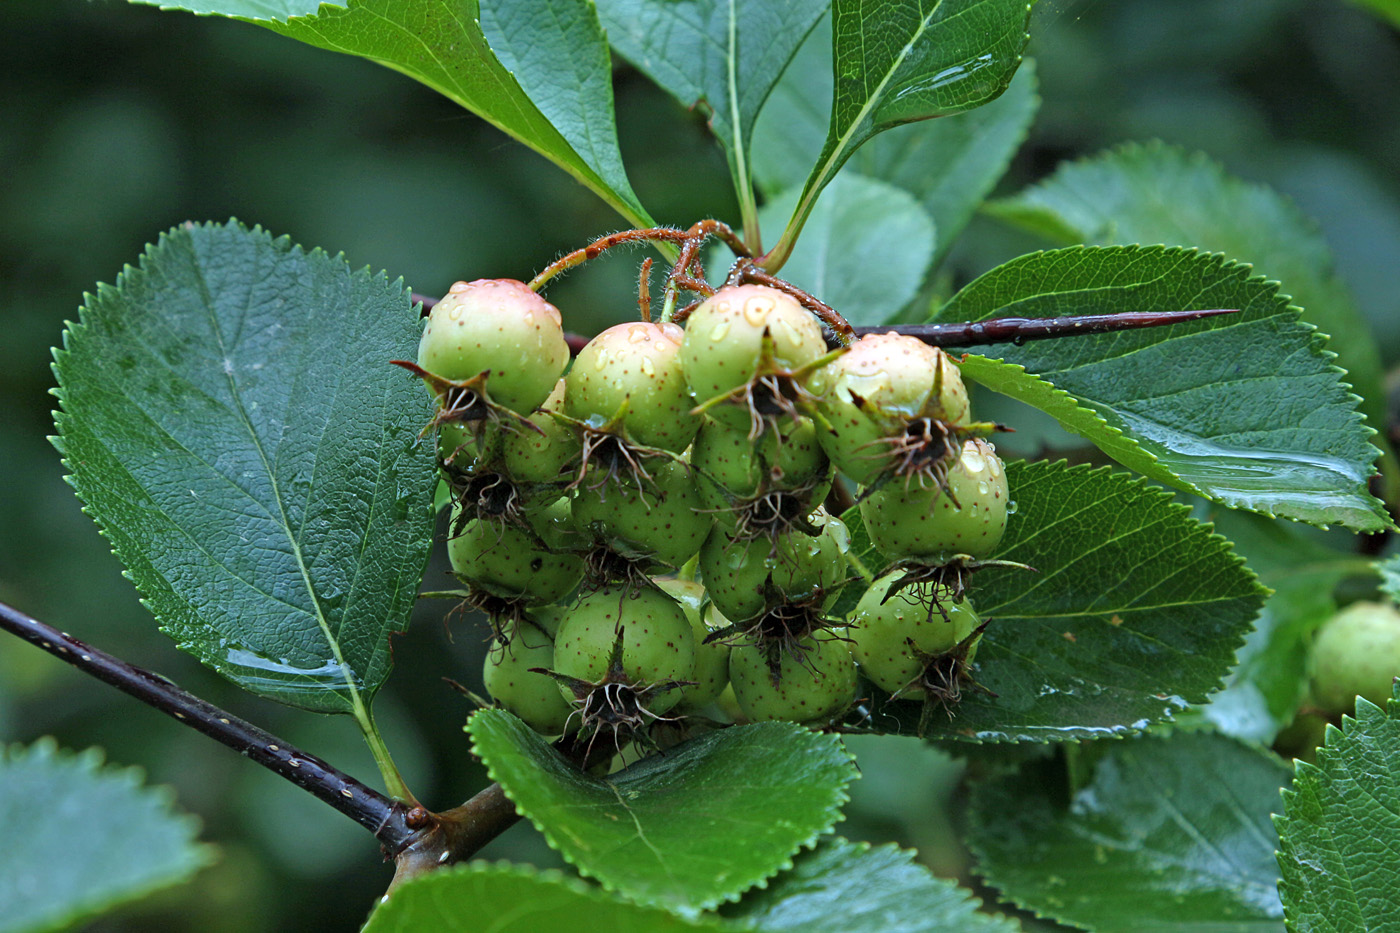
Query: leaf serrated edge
[(833, 809), (93, 762)]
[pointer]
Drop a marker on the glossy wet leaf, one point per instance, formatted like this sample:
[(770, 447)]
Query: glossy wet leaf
[(1340, 828), (852, 887), (949, 164), (81, 838), (720, 56), (666, 830), (865, 249), (1245, 409), (514, 899), (1161, 194), (233, 424), (1168, 834), (1134, 609), (896, 62), (1263, 692), (538, 70)]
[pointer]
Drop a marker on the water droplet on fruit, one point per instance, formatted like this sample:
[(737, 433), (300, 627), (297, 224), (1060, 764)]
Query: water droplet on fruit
[(600, 362), (984, 489), (648, 367), (757, 309), (720, 331), (637, 333), (973, 461)]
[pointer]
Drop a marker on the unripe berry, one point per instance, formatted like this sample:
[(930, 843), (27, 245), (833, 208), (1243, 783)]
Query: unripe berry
[(926, 522), (711, 674), (1357, 653), (664, 521), (545, 455), (501, 328), (723, 349), (658, 644), (744, 578), (816, 682), (733, 470), (512, 563), (882, 630), (636, 365), (870, 395), (533, 697)]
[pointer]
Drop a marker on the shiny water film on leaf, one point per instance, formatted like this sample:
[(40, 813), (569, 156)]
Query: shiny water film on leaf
[(1340, 828), (949, 164), (1133, 610), (841, 886), (1169, 834), (537, 69), (83, 838), (1245, 409), (514, 899), (233, 424), (661, 832), (1155, 193)]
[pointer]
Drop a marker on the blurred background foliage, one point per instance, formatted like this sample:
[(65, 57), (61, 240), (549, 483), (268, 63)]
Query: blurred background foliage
[(117, 122)]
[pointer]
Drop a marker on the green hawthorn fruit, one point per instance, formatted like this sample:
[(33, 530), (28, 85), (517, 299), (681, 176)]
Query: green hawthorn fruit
[(501, 328), (534, 697), (744, 578), (634, 369), (882, 629), (658, 644), (545, 455), (711, 673), (723, 349), (509, 562), (1356, 653), (816, 682), (907, 520), (870, 395), (733, 469), (663, 520)]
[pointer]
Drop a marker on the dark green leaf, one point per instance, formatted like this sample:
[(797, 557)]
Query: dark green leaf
[(949, 164), (1245, 409), (722, 56), (896, 62), (231, 419), (1263, 692), (81, 838), (509, 899), (1387, 9), (1340, 829), (540, 72), (1133, 610), (666, 830), (865, 250), (1170, 834), (851, 887), (1160, 194)]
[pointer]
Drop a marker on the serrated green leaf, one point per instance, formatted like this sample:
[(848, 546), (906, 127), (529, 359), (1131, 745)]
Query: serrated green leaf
[(540, 71), (81, 838), (949, 164), (1161, 194), (1133, 610), (514, 899), (232, 422), (911, 60), (1263, 692), (686, 830), (1340, 829), (1169, 834), (1245, 409), (852, 887), (722, 56), (866, 248)]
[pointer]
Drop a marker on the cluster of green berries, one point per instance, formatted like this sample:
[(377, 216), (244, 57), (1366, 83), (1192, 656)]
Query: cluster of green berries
[(586, 504)]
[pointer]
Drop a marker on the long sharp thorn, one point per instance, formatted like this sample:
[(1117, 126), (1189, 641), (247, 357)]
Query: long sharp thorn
[(1015, 329)]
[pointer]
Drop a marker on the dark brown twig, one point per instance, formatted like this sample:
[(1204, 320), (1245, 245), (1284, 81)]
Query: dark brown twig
[(1017, 329)]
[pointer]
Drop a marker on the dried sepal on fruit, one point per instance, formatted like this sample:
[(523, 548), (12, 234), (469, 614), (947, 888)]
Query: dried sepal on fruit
[(765, 486), (813, 684), (744, 578)]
